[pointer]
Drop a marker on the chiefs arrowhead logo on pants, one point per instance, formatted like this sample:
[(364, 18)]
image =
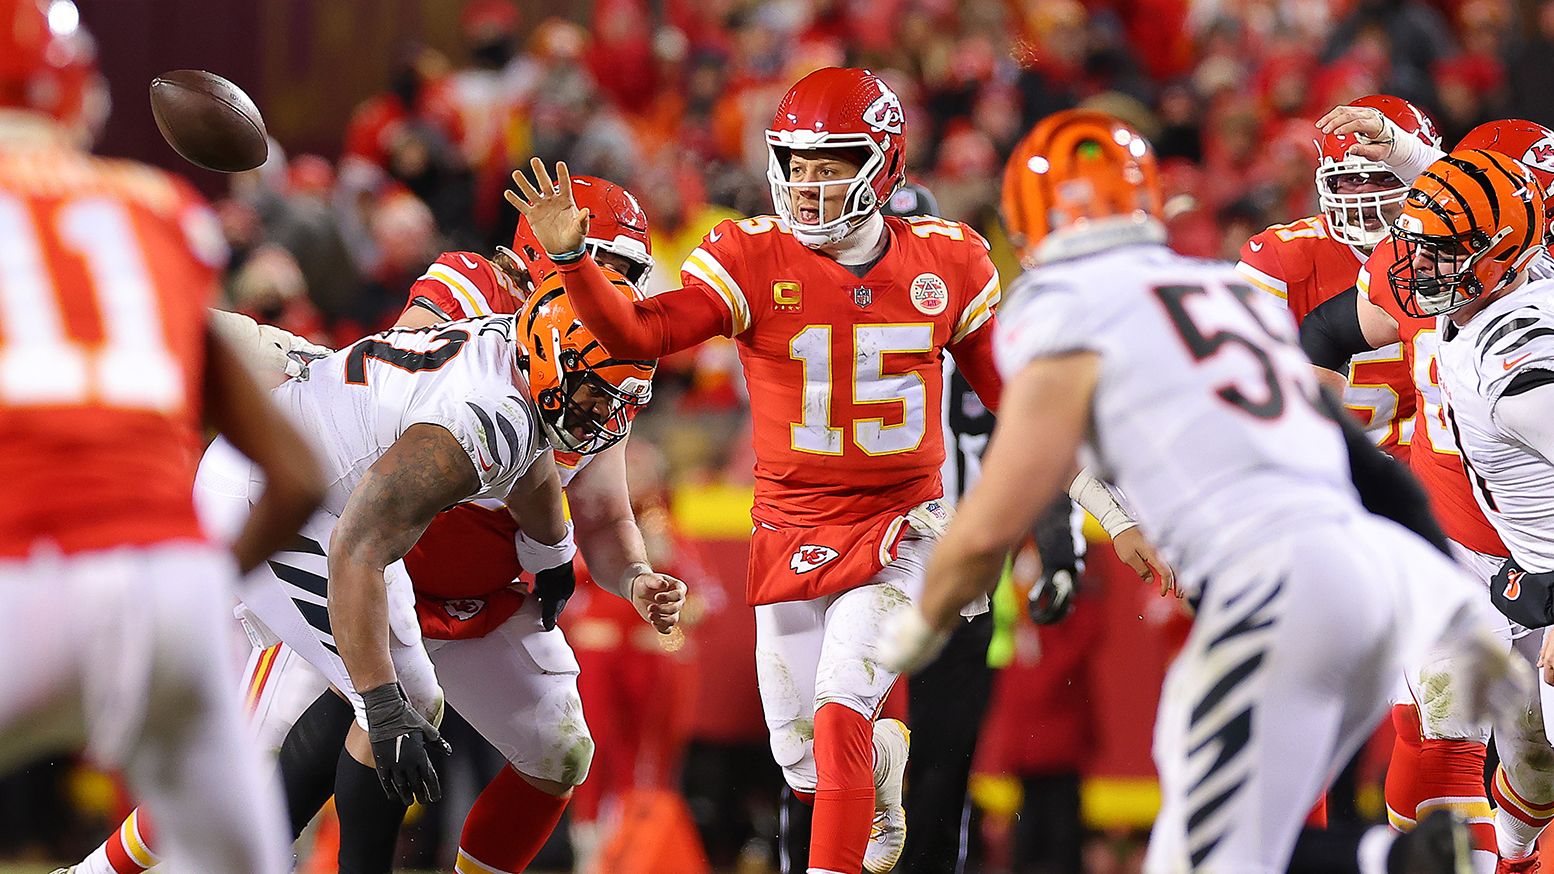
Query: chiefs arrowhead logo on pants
[(808, 557)]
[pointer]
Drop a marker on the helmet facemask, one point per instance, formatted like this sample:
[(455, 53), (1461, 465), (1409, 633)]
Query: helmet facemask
[(860, 202), (1454, 280), (586, 413), (1360, 218)]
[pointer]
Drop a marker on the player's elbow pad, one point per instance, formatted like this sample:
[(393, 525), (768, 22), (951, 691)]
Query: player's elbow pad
[(1331, 333)]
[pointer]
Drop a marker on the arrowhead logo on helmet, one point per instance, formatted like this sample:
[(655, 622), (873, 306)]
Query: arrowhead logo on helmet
[(837, 109)]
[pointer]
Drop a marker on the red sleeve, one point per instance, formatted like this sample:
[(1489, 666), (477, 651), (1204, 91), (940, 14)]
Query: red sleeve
[(645, 329), (974, 359), (1259, 263)]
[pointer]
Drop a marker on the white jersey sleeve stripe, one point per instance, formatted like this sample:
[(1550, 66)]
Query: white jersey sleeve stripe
[(706, 268), (1276, 287), (462, 288), (979, 310)]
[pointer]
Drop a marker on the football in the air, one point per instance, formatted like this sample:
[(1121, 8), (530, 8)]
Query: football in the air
[(209, 121)]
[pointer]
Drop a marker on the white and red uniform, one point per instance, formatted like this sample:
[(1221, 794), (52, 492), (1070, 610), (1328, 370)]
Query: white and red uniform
[(845, 384), (845, 387), (112, 596), (1302, 265)]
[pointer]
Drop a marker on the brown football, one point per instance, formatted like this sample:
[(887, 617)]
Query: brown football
[(209, 121)]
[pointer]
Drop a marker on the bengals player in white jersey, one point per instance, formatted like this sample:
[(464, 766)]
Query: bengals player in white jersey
[(1472, 229), (1439, 759), (111, 593), (1174, 375), (474, 620)]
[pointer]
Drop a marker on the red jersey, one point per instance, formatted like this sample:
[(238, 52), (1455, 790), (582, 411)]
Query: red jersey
[(1302, 265), (463, 285), (106, 271), (845, 372), (1433, 455)]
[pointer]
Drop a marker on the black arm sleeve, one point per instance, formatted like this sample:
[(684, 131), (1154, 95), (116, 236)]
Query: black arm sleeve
[(1331, 333), (1054, 535), (1386, 488)]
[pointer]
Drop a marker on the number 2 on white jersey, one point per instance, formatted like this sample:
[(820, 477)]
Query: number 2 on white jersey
[(39, 364), (813, 433)]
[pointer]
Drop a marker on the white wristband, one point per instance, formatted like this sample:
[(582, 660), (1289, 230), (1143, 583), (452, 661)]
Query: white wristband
[(1098, 500), (534, 556)]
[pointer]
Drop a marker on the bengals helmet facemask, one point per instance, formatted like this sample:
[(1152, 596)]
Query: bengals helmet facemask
[(1470, 225), (1360, 217), (1080, 181), (586, 397)]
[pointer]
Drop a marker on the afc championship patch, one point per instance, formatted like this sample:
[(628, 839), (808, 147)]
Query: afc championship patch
[(930, 294)]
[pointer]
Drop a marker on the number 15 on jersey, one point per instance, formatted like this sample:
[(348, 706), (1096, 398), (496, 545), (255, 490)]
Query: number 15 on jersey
[(870, 383)]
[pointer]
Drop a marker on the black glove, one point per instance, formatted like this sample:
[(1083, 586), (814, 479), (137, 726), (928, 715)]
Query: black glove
[(1523, 596), (401, 740), (554, 588), (1052, 597)]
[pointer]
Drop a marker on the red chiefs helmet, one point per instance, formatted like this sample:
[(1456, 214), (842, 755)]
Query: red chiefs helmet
[(1526, 141), (48, 62), (838, 108), (1358, 218), (616, 224)]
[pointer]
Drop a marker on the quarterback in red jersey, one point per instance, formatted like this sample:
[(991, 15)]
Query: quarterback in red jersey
[(112, 597), (1432, 741), (1311, 259), (841, 317)]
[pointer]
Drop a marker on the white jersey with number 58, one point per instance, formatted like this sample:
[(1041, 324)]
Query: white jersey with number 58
[(1203, 412), (460, 375)]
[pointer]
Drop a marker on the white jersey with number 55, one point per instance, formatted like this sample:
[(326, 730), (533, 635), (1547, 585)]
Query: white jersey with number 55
[(1203, 412), (460, 375)]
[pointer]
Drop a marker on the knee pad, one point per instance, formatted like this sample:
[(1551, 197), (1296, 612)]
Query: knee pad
[(572, 752), (793, 749)]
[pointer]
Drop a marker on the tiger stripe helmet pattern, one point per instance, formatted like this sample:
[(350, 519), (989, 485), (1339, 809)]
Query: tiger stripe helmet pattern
[(1470, 223), (586, 397), (1074, 168)]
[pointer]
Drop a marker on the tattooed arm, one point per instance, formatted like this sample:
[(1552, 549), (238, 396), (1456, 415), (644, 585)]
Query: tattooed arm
[(424, 472)]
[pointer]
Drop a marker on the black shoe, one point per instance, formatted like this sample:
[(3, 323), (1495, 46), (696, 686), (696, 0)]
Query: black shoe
[(1438, 845)]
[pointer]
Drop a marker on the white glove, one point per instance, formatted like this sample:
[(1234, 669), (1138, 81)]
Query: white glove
[(907, 643), (931, 518), (268, 350)]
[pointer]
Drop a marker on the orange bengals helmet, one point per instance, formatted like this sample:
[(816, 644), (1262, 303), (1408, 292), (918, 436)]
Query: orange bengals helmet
[(586, 398), (1079, 170), (1470, 224), (617, 225)]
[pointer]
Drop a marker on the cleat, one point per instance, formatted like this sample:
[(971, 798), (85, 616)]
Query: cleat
[(887, 836), (1524, 865), (1439, 845)]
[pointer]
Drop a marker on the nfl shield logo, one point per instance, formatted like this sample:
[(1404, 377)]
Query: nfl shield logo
[(863, 296)]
